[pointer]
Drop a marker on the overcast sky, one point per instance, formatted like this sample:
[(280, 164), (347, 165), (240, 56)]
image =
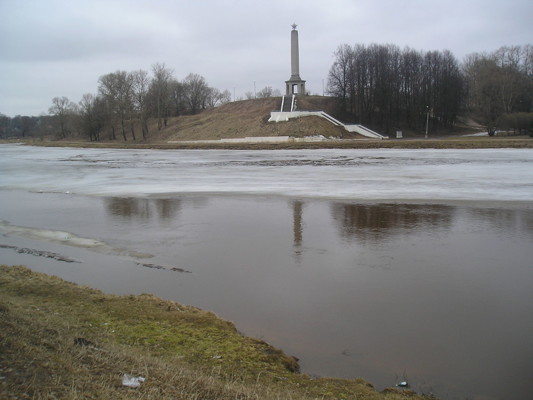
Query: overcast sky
[(54, 48)]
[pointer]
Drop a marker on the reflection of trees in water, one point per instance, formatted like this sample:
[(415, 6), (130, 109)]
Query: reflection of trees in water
[(509, 220), (368, 222), (144, 209)]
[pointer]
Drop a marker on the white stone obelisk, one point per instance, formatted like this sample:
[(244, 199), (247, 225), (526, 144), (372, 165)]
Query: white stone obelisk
[(295, 85), (295, 55)]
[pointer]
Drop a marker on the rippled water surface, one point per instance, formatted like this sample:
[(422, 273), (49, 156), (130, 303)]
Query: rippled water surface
[(382, 264)]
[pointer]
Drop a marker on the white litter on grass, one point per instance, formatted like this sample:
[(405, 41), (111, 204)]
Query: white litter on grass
[(132, 381)]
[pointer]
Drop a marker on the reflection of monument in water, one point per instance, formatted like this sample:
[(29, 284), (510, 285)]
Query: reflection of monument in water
[(297, 222), (297, 207)]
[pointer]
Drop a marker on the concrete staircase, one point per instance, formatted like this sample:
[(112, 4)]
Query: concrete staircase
[(363, 130), (288, 111), (288, 103)]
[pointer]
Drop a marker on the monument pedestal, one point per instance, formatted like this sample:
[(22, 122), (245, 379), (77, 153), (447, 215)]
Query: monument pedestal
[(295, 86)]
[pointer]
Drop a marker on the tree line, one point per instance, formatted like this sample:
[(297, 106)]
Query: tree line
[(388, 89), (126, 100), (122, 106)]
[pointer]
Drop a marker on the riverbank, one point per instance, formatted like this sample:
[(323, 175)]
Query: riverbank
[(62, 340), (445, 142)]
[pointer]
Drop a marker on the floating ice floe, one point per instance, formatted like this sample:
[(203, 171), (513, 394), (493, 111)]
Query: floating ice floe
[(50, 236), (67, 239)]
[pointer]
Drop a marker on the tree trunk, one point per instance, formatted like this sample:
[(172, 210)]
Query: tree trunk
[(132, 131), (123, 130), (145, 129)]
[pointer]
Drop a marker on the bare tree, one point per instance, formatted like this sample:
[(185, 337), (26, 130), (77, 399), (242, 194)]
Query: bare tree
[(196, 92), (511, 76), (140, 84), (4, 125), (499, 83), (108, 89), (386, 88), (117, 90), (341, 74), (160, 93), (177, 97), (411, 86), (127, 103), (93, 116), (265, 92), (62, 108), (215, 97)]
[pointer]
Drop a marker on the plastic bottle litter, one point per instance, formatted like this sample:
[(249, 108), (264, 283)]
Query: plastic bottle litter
[(132, 381)]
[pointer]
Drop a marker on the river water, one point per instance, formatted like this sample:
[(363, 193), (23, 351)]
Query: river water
[(382, 264)]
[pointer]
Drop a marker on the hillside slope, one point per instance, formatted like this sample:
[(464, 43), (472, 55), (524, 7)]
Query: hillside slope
[(249, 118)]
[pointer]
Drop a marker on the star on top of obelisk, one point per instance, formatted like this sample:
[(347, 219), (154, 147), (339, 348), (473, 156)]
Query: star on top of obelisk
[(294, 26)]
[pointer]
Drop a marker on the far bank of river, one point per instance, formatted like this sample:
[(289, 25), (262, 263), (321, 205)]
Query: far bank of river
[(452, 142)]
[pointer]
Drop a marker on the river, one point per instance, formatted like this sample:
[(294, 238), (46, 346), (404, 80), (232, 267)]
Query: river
[(383, 264)]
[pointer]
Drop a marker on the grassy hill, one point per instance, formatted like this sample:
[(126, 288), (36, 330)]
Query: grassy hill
[(248, 118)]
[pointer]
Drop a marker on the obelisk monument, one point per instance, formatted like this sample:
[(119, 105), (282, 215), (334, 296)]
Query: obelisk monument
[(295, 85)]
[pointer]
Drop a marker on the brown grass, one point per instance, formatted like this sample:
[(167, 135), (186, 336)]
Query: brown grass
[(244, 119), (442, 143), (183, 352)]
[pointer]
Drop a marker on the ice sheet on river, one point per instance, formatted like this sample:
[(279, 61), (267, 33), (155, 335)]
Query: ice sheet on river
[(353, 174)]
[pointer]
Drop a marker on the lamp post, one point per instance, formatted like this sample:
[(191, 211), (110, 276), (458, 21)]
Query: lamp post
[(427, 121)]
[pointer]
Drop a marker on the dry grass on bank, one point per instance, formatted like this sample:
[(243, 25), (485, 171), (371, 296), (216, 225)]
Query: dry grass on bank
[(516, 142), (247, 118), (60, 340)]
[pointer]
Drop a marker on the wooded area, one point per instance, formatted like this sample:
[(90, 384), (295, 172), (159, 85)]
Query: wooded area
[(380, 86), (388, 89)]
